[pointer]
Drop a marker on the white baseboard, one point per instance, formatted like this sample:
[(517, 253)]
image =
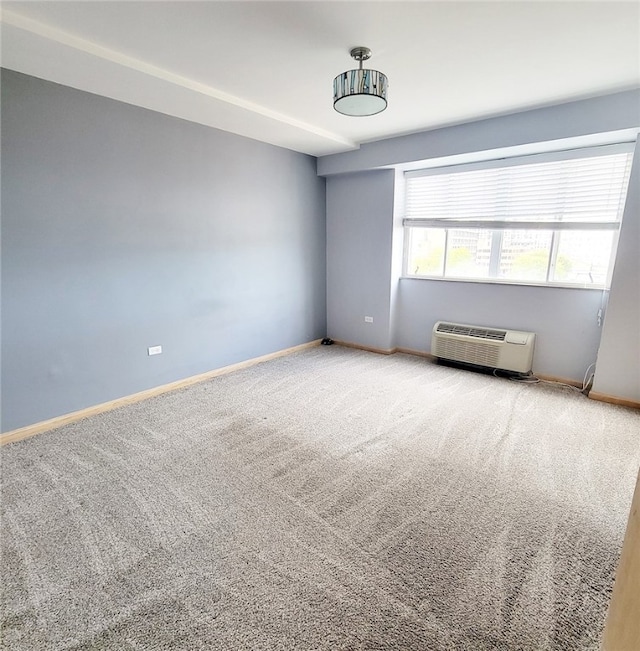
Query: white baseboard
[(59, 421), (625, 402)]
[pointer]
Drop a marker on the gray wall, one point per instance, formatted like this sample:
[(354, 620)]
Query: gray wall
[(615, 112), (565, 320), (359, 245), (618, 369), (364, 279), (123, 228)]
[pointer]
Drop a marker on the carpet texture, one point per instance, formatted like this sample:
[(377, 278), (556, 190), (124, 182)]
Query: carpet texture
[(331, 499)]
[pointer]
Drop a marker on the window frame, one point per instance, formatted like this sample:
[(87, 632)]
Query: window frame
[(497, 227)]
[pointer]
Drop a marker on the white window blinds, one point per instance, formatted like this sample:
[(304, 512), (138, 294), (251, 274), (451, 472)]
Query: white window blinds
[(586, 192)]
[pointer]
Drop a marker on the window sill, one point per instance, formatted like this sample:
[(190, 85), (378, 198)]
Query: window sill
[(517, 283)]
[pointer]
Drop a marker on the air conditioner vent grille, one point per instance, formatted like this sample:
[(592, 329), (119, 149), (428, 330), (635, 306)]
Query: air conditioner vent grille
[(471, 331), (469, 351)]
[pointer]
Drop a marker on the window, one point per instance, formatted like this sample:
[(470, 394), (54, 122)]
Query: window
[(550, 219)]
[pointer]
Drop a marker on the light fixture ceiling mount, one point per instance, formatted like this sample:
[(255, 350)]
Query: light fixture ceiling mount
[(360, 53), (360, 92)]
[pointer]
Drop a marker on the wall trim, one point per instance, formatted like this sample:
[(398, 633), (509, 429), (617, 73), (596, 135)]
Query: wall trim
[(549, 378), (59, 421), (417, 353), (370, 349), (559, 380), (624, 402)]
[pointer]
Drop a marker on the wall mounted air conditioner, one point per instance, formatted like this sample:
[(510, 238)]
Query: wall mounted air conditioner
[(509, 350)]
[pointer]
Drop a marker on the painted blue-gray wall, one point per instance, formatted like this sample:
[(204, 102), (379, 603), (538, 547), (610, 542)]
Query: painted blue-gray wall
[(359, 245), (618, 369), (565, 320), (615, 112), (123, 228)]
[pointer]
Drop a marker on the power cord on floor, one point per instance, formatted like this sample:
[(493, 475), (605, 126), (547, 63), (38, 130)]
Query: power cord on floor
[(530, 378), (586, 383)]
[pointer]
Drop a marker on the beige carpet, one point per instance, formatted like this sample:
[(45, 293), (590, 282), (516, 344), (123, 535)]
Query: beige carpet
[(332, 499)]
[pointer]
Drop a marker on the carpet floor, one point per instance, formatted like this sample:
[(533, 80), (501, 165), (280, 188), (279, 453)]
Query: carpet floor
[(331, 499)]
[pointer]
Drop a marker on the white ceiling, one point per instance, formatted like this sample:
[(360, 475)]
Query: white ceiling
[(265, 69)]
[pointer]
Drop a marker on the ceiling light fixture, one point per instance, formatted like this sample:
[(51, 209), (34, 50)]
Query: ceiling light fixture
[(360, 92)]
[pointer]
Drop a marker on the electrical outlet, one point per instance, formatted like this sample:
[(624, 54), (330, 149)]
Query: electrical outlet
[(368, 319), (154, 350)]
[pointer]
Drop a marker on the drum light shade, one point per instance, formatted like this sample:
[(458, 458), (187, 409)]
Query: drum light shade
[(360, 92)]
